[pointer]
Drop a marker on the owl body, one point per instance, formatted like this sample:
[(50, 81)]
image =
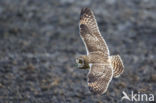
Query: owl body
[(102, 67)]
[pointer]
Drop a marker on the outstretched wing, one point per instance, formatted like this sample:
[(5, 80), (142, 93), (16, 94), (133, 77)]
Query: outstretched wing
[(99, 78), (117, 65), (90, 34)]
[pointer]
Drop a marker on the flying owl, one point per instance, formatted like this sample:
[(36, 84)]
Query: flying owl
[(102, 67)]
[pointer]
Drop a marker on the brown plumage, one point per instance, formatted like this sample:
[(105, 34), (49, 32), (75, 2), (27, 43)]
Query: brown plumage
[(102, 65), (117, 65)]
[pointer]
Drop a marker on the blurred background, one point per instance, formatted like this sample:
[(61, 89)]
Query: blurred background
[(39, 40)]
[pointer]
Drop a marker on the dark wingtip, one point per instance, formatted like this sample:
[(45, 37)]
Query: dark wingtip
[(94, 92), (86, 11)]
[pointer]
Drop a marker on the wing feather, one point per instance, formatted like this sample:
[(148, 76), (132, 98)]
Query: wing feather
[(99, 78), (90, 34)]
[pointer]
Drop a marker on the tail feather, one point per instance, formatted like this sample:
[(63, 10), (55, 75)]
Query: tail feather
[(117, 65)]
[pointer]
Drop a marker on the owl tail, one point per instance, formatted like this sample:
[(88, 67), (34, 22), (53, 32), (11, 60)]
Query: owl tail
[(117, 65)]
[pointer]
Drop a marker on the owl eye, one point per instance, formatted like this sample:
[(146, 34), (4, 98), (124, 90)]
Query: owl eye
[(80, 61)]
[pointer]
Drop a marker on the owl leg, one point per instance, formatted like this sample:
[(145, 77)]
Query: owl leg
[(82, 62)]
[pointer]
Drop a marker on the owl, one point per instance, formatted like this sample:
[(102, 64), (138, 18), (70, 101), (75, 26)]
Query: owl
[(102, 66)]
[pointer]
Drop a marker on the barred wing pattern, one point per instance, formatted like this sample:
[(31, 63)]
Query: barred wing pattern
[(90, 34), (99, 78)]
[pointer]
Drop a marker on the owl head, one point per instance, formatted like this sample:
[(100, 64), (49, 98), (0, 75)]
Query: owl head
[(82, 63)]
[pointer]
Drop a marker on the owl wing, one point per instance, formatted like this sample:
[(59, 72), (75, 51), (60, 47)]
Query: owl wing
[(99, 78), (90, 34)]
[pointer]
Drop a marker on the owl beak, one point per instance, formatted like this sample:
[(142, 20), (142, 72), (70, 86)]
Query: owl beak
[(79, 62)]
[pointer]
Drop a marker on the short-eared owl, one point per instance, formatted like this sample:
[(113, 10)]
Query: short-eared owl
[(102, 66)]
